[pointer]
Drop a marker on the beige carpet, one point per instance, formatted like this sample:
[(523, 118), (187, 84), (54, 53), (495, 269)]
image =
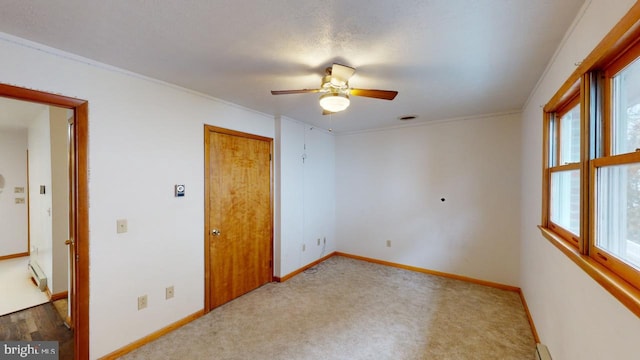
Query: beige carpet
[(350, 309)]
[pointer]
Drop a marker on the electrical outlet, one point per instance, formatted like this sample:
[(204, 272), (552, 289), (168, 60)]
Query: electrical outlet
[(169, 292), (304, 247), (388, 243), (142, 302), (121, 226), (318, 241)]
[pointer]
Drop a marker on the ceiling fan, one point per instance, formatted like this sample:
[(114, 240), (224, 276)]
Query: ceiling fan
[(336, 91)]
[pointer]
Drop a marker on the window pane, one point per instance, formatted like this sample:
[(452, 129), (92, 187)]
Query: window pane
[(565, 199), (618, 214), (570, 136), (626, 110), (553, 144)]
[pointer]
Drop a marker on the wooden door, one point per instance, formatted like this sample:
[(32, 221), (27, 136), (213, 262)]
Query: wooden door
[(239, 221)]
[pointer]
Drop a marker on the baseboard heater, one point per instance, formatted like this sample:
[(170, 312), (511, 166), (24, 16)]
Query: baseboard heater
[(38, 277), (542, 352)]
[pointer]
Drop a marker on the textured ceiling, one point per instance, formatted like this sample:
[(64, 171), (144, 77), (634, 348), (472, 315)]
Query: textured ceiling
[(446, 58)]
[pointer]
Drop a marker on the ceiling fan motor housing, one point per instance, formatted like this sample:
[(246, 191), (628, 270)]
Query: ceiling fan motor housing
[(336, 91), (330, 84)]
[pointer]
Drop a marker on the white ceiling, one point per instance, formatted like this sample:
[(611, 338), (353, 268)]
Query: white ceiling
[(446, 58), (15, 114)]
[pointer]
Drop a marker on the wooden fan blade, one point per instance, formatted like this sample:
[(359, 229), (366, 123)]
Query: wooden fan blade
[(340, 74), (378, 94), (301, 91)]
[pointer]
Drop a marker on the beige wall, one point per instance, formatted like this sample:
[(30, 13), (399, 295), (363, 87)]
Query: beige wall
[(59, 198)]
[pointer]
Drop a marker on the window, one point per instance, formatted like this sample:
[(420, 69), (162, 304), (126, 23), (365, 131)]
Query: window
[(617, 216), (564, 170), (591, 164), (616, 174)]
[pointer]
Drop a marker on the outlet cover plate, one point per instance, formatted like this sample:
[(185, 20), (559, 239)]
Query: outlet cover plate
[(142, 302), (122, 226)]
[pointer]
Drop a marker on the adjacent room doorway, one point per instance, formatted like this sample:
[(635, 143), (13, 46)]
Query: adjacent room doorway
[(238, 214), (78, 207)]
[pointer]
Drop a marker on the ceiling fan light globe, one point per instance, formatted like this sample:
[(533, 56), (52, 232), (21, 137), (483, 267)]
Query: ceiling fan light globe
[(334, 102)]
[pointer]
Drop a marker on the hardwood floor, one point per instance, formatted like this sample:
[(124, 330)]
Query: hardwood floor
[(42, 322)]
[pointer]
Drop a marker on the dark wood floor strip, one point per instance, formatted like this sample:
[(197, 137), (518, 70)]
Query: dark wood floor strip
[(39, 323)]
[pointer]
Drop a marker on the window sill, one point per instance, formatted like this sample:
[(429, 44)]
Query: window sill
[(619, 288)]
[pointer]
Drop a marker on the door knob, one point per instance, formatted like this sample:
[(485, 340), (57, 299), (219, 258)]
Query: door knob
[(215, 232), (68, 242)]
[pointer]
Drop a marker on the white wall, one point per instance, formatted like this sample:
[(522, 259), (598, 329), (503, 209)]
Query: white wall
[(574, 315), (144, 137), (306, 204), (13, 168), (390, 184), (49, 212), (40, 205), (319, 194), (290, 140)]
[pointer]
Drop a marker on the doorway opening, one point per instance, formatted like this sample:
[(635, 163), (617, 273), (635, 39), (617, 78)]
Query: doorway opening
[(78, 213)]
